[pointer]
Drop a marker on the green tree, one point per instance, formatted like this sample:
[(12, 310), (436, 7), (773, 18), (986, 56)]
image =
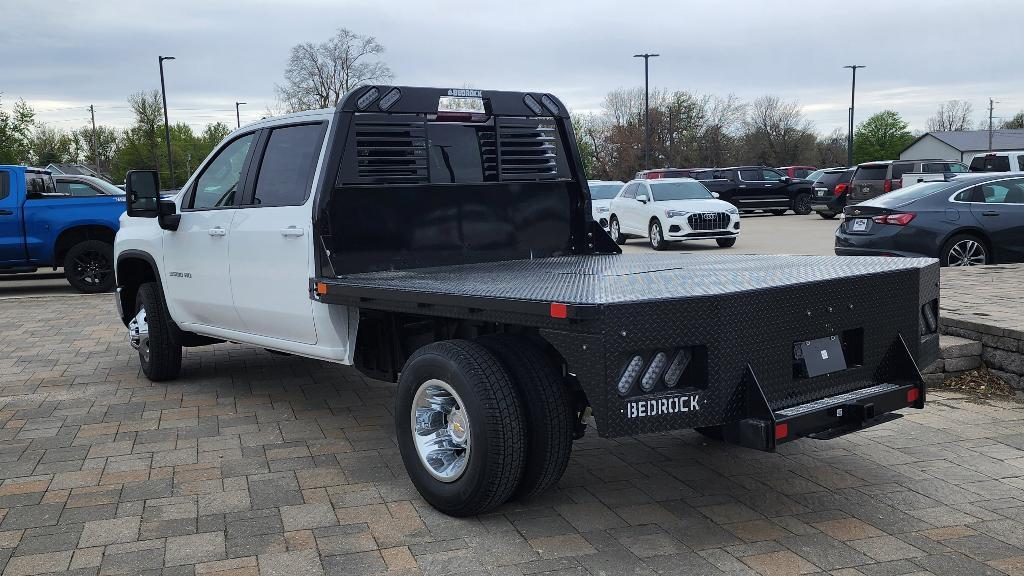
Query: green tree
[(15, 131), (1015, 123), (142, 145), (48, 145), (105, 139), (881, 137)]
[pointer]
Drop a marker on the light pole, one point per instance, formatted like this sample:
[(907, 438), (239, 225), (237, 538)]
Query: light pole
[(647, 108), (849, 135), (167, 126), (238, 119)]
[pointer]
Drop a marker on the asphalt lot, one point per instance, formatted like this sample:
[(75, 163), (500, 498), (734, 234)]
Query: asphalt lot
[(767, 234)]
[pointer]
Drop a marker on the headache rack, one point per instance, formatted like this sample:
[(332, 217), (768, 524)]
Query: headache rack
[(421, 177)]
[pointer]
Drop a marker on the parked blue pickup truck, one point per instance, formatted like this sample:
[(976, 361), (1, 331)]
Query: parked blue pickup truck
[(42, 225)]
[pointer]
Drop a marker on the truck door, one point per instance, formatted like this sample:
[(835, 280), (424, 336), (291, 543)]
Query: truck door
[(12, 239), (271, 237), (198, 282)]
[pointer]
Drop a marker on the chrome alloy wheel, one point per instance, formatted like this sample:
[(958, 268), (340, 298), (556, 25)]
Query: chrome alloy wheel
[(655, 234), (440, 430), (615, 229), (967, 252), (138, 334)]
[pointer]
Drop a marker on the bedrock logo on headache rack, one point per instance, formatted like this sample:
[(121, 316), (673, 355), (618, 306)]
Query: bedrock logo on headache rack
[(660, 406)]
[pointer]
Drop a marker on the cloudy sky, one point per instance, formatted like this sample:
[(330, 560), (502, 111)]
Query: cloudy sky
[(62, 55)]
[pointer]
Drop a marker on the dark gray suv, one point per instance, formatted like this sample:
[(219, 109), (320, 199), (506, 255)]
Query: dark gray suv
[(876, 178)]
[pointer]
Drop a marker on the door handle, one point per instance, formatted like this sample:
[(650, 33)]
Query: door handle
[(218, 231), (5, 212), (292, 231), (990, 213)]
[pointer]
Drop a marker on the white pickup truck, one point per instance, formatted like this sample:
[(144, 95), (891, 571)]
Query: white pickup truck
[(444, 240)]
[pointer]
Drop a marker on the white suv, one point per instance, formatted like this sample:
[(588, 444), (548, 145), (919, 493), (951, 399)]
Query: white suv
[(601, 194), (672, 209)]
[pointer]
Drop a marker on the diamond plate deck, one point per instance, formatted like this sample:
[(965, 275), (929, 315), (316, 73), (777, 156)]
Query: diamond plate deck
[(613, 279)]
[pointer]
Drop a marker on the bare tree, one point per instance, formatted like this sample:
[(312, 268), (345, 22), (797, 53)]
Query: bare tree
[(776, 133), (952, 116), (318, 74)]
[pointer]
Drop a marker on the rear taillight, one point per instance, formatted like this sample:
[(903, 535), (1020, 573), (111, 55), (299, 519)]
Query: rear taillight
[(887, 186), (901, 219), (840, 189)]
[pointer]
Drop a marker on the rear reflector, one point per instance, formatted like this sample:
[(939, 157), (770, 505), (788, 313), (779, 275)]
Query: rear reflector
[(781, 431), (321, 288), (913, 395), (559, 310)]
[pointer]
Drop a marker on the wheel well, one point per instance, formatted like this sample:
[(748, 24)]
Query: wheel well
[(131, 273), (72, 236), (979, 234)]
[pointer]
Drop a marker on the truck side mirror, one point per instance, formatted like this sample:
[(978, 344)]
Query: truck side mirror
[(169, 219), (142, 187)]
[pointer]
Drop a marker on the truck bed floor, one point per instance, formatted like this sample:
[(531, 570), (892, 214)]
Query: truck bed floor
[(612, 279)]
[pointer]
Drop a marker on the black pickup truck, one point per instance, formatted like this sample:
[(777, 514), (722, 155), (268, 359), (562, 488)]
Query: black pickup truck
[(759, 188), (452, 250)]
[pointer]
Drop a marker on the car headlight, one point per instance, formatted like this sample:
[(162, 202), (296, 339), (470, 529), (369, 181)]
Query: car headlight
[(675, 213), (602, 209), (733, 210)]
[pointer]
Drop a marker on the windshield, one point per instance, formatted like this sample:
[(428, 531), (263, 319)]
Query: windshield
[(910, 193), (604, 190), (679, 191), (107, 187)]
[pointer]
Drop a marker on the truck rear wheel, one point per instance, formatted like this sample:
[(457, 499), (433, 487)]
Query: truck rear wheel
[(802, 204), (460, 427), (89, 267), (547, 410), (150, 332)]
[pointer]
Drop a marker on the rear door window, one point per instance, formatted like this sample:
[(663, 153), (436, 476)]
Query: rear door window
[(77, 189), (5, 187), (289, 161), (770, 176), (750, 175), (898, 170)]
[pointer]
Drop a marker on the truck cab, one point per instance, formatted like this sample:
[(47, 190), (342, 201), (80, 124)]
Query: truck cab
[(42, 225)]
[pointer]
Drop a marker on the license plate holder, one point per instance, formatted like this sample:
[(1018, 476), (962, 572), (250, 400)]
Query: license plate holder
[(859, 225), (822, 356)]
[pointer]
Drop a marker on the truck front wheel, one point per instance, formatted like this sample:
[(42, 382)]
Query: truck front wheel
[(151, 333), (547, 409), (460, 427), (89, 266)]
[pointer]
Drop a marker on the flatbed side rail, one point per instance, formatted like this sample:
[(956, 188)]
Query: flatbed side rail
[(528, 312)]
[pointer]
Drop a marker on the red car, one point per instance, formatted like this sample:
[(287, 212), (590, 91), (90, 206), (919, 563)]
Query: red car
[(796, 171)]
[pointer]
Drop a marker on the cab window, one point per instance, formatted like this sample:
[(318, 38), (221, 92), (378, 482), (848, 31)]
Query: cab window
[(286, 171), (770, 176), (218, 185)]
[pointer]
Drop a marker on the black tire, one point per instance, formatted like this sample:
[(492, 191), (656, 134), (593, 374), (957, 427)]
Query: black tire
[(615, 231), (726, 242), (656, 235), (547, 410), (89, 266), (802, 204), (779, 212), (958, 248), (494, 413), (160, 354), (827, 215)]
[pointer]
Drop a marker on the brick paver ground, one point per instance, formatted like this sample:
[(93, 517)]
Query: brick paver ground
[(253, 463)]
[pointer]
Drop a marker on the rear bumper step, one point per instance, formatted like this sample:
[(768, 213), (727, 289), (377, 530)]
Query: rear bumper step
[(828, 417)]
